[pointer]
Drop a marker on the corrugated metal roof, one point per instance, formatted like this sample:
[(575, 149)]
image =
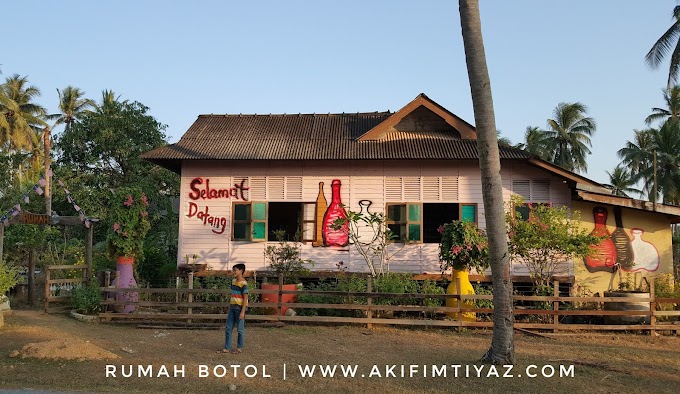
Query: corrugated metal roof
[(312, 137)]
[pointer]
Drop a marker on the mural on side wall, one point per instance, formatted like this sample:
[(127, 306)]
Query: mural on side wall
[(618, 250), (201, 190), (334, 211)]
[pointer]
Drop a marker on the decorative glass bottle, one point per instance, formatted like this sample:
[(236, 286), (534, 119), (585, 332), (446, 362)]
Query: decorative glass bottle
[(331, 237), (321, 206), (645, 255)]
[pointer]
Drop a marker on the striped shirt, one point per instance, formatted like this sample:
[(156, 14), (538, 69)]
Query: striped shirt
[(238, 291)]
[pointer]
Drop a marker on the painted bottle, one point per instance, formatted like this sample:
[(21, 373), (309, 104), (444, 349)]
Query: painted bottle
[(624, 252), (645, 255), (335, 210), (321, 206), (604, 254)]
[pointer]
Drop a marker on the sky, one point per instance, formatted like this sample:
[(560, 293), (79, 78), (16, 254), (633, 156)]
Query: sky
[(182, 59)]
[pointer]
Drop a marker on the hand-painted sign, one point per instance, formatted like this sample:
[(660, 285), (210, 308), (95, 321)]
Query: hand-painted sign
[(218, 222), (34, 218), (206, 193)]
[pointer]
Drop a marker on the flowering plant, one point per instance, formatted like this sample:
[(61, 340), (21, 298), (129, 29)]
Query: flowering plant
[(129, 222), (463, 247)]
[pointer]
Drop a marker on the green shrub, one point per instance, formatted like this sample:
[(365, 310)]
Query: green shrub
[(9, 277), (87, 299)]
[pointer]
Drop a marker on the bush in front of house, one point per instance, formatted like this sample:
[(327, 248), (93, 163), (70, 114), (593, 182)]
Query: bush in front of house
[(87, 299)]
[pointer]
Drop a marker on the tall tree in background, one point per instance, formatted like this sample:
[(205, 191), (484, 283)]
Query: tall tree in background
[(535, 142), (72, 106), (622, 182), (672, 111), (668, 43), (568, 136), (638, 156), (502, 350), (21, 122)]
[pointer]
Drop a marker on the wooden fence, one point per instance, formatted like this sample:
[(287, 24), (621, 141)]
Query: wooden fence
[(58, 290), (151, 311)]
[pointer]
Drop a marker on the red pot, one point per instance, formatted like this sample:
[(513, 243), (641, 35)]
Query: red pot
[(272, 297)]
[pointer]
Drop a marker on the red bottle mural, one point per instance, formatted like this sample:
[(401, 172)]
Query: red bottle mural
[(335, 210), (604, 256)]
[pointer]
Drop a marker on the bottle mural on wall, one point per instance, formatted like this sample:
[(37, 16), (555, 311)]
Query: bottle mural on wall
[(624, 251), (365, 236), (335, 210), (321, 206), (645, 255), (604, 254)]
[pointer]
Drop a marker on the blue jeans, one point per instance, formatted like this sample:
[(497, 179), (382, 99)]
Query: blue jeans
[(233, 317)]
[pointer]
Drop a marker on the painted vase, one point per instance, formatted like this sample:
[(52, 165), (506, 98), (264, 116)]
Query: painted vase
[(645, 255), (126, 279), (604, 254), (465, 288), (624, 251)]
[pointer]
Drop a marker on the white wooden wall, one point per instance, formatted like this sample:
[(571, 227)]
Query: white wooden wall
[(360, 181)]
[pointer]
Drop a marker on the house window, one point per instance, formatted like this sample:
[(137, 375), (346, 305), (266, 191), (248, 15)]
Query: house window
[(534, 190), (249, 223), (416, 222), (523, 212), (405, 221)]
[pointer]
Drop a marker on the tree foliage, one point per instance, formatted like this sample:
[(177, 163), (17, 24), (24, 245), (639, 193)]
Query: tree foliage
[(546, 239)]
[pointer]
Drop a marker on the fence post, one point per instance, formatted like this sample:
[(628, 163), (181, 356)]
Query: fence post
[(556, 305), (369, 301), (47, 288), (279, 298), (177, 282), (190, 297), (107, 284), (459, 315), (652, 308)]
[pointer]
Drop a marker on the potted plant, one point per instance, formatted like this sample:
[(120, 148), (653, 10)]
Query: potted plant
[(284, 260), (627, 288), (463, 247), (129, 225), (86, 301), (9, 277)]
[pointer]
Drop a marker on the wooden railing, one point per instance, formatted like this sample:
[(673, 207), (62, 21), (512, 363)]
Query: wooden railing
[(550, 321), (59, 290)]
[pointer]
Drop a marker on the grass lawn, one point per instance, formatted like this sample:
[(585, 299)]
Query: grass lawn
[(604, 363)]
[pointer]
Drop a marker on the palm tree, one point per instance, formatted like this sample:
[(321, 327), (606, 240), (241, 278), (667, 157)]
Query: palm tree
[(568, 136), (502, 350), (665, 142), (109, 100), (672, 98), (72, 105), (621, 182), (21, 119), (667, 44), (502, 141), (636, 154), (535, 142)]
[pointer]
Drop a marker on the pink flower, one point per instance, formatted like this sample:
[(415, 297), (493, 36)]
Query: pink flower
[(145, 200), (129, 201), (144, 214), (125, 234), (456, 249), (440, 229), (116, 227)]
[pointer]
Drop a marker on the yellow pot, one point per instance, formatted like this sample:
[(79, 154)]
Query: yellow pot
[(465, 288)]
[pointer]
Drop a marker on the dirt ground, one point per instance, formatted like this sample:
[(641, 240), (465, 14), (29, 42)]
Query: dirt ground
[(603, 363)]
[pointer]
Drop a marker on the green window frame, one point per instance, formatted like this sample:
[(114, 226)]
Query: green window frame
[(409, 218), (249, 221), (468, 213)]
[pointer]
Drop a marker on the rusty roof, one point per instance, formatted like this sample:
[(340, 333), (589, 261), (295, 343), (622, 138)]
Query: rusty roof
[(311, 137)]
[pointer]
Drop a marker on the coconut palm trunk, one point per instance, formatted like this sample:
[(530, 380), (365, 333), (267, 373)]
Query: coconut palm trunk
[(502, 350)]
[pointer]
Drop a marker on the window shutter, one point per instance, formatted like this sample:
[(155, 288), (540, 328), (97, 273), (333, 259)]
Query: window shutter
[(294, 188), (449, 188), (522, 187), (276, 188), (258, 188), (411, 188), (540, 190), (414, 214), (393, 189), (259, 220), (431, 189)]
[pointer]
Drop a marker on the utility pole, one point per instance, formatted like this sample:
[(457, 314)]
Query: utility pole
[(656, 191), (48, 179)]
